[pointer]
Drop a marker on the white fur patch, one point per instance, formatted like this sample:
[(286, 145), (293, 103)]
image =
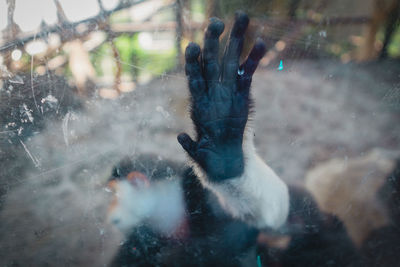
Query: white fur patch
[(161, 205), (258, 197)]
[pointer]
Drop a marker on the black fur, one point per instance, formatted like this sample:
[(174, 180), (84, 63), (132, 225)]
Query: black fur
[(390, 194), (316, 239), (214, 238), (382, 247)]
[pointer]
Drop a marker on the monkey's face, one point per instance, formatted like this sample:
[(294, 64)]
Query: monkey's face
[(132, 201)]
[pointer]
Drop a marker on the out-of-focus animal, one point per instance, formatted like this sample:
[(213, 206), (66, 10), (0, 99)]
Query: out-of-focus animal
[(309, 238), (169, 218), (382, 245), (348, 188)]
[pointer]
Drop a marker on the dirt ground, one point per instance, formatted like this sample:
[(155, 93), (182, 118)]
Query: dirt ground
[(53, 214)]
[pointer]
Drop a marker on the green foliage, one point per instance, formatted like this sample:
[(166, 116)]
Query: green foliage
[(98, 55), (120, 17), (394, 47), (141, 60), (126, 49), (135, 60), (157, 63), (197, 9)]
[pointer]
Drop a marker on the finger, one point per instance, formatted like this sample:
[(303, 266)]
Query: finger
[(210, 51), (234, 48), (248, 68), (256, 54), (188, 144), (193, 71)]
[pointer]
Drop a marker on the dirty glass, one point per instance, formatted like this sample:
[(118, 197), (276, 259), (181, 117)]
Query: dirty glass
[(94, 93)]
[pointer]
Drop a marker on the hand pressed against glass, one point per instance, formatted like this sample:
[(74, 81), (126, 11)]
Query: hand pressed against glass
[(220, 99)]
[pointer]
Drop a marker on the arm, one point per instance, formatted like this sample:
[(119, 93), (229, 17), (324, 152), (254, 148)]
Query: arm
[(223, 153)]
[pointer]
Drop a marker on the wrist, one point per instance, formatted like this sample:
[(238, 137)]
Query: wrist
[(225, 161), (257, 196)]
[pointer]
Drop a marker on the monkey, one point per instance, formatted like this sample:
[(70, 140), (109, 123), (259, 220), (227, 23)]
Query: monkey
[(223, 156), (213, 212), (313, 238), (204, 234), (235, 192), (310, 238)]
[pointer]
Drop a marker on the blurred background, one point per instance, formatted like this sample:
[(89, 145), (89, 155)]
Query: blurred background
[(85, 83)]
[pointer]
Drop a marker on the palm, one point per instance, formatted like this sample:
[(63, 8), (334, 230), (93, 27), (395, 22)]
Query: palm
[(220, 100), (221, 114)]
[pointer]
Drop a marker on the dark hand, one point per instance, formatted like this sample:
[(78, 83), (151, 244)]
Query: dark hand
[(220, 99)]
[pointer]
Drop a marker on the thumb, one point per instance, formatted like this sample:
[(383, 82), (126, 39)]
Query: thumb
[(188, 144)]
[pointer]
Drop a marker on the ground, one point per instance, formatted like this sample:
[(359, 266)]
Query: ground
[(54, 212)]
